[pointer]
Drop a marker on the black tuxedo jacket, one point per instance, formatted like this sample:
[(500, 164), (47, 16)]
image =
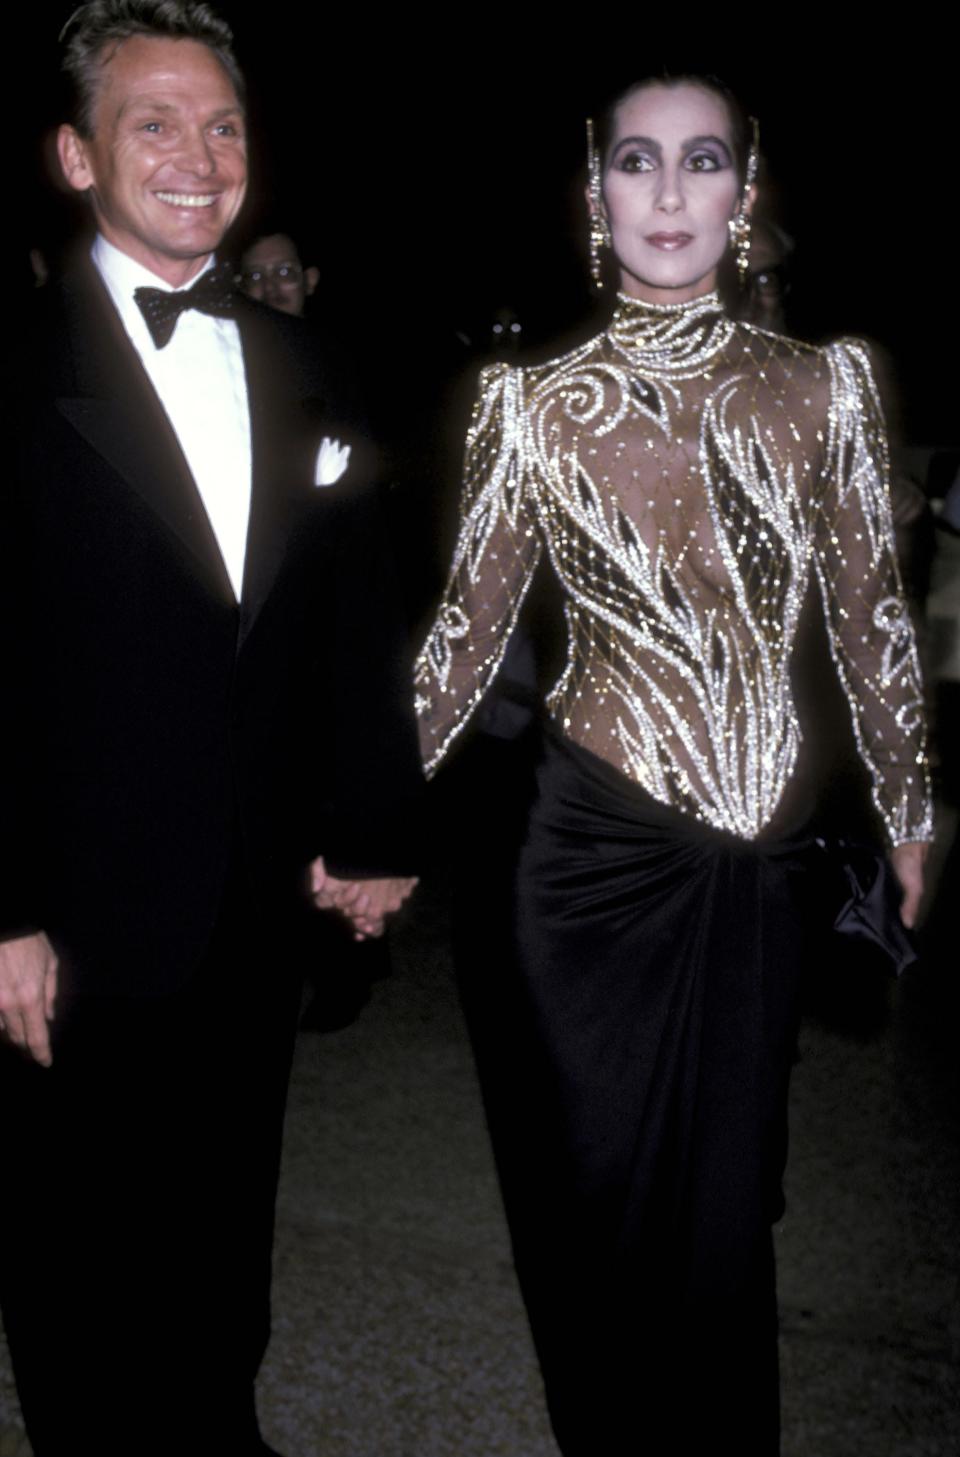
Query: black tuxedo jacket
[(153, 731)]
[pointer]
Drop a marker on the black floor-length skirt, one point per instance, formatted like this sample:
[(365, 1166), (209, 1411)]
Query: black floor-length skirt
[(634, 1051)]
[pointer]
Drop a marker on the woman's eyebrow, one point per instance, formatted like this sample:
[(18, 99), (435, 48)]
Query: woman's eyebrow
[(647, 142), (692, 142)]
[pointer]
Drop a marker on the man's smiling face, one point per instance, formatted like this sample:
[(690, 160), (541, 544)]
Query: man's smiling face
[(166, 165)]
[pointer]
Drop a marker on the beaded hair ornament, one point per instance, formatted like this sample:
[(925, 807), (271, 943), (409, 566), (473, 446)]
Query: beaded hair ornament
[(740, 224)]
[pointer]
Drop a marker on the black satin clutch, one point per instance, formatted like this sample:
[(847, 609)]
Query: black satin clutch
[(865, 891)]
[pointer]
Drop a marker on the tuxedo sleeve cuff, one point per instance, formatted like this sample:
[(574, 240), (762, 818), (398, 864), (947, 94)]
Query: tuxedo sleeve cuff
[(345, 870), (351, 855)]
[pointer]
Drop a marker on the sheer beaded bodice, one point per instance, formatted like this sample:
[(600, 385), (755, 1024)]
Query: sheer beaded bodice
[(685, 473)]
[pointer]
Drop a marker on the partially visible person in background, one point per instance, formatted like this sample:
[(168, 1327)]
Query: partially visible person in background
[(767, 283), (506, 332), (39, 267), (272, 272), (943, 627)]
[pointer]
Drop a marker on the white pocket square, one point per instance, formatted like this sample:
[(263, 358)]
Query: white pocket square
[(332, 461)]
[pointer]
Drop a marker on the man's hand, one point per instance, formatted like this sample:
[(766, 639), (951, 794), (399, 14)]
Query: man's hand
[(28, 991), (365, 903), (907, 861)]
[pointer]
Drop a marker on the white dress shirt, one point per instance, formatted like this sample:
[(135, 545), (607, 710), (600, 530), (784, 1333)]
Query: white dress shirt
[(200, 380)]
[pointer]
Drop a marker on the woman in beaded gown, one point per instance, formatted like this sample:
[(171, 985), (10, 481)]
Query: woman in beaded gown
[(686, 476)]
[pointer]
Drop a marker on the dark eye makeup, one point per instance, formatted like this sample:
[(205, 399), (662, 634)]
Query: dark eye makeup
[(643, 154)]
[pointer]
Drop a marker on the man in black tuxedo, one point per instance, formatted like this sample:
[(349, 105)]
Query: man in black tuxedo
[(206, 718)]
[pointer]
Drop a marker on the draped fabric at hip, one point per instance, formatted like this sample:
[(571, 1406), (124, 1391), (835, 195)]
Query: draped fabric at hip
[(641, 1132)]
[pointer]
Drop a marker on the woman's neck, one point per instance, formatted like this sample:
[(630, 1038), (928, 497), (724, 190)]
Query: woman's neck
[(649, 293)]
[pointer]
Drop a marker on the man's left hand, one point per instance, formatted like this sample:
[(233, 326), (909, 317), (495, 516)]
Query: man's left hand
[(365, 903)]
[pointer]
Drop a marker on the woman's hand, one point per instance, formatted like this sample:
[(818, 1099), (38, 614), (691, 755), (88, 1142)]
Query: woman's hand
[(365, 903), (907, 861)]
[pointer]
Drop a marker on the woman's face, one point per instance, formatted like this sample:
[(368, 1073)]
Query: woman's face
[(670, 187)]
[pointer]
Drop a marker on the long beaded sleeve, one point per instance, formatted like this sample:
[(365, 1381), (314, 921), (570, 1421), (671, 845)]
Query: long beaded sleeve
[(494, 560), (871, 635), (685, 474)]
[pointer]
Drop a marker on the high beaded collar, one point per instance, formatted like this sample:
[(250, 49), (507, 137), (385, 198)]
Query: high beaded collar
[(669, 337)]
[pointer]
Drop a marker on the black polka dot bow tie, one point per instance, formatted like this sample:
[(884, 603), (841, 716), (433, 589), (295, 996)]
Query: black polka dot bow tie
[(213, 293)]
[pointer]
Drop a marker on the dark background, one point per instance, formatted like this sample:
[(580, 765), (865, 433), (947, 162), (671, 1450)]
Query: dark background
[(433, 164)]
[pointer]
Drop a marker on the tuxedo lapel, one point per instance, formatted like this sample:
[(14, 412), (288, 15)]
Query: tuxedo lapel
[(109, 400), (282, 438)]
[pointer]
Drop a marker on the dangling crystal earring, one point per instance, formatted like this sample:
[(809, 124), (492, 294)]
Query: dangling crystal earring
[(739, 226), (599, 227)]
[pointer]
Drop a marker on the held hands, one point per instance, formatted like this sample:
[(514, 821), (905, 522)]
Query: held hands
[(907, 861), (365, 903), (28, 990)]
